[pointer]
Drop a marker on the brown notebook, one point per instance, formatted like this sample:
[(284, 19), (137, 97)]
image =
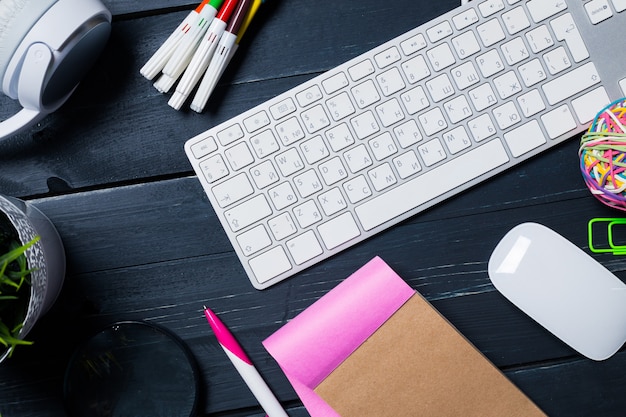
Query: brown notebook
[(418, 364)]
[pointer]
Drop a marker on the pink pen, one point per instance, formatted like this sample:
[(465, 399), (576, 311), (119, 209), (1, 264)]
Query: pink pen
[(244, 366)]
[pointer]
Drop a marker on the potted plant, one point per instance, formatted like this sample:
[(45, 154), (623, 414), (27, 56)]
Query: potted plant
[(14, 289), (32, 270)]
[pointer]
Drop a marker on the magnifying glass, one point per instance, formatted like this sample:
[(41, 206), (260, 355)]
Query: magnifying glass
[(132, 368)]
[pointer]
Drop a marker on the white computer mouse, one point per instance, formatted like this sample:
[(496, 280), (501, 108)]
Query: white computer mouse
[(562, 288)]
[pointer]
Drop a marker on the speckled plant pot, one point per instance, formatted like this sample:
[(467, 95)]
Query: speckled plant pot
[(46, 257)]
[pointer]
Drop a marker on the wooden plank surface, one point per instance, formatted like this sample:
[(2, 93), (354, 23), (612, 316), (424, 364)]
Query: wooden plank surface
[(143, 243)]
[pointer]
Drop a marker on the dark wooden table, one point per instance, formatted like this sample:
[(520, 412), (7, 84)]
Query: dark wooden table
[(143, 243)]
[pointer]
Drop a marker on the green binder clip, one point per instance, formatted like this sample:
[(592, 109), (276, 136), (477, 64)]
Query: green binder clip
[(610, 246)]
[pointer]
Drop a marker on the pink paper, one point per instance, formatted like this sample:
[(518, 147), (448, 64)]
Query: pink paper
[(315, 342)]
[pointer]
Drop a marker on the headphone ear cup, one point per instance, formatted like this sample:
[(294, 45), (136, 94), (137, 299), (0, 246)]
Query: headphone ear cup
[(46, 46), (17, 17)]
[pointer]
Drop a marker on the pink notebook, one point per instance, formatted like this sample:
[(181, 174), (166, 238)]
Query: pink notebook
[(373, 346)]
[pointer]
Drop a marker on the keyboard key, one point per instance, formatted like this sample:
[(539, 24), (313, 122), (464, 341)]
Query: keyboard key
[(389, 112), (413, 44), (264, 143), (482, 128), (203, 147), (307, 214), (439, 31), (433, 121), (390, 82), (335, 83), (532, 72), (232, 190), (339, 137), (357, 158), (524, 138), (315, 119), (483, 97), (506, 115), (282, 226), (489, 7), (431, 152), (214, 168), (465, 75), (440, 87), (289, 162), (283, 108), (539, 39), (365, 94), (304, 247), (620, 5), (407, 133), (307, 183), (586, 106), (566, 30), (247, 213), (457, 140), (256, 122), (515, 20), (598, 10), (314, 149), (289, 131), (270, 264), (340, 106), (383, 146), (490, 63), (415, 69), (282, 195), (357, 189), (465, 19), (571, 83), (491, 32), (543, 9), (388, 57), (339, 230), (406, 164), (364, 125), (309, 95), (531, 103), (332, 201), (230, 134), (361, 70), (440, 57), (430, 185), (558, 121), (515, 51), (264, 175), (239, 156), (254, 240), (466, 44), (415, 100), (382, 177), (557, 60)]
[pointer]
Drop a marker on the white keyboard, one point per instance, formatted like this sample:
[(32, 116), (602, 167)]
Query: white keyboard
[(405, 126)]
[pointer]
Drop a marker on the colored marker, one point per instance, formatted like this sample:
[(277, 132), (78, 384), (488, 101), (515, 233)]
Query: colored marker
[(225, 50), (244, 366), (202, 56), (158, 61), (185, 50)]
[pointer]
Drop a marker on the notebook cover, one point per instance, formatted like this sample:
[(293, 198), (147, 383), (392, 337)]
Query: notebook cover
[(321, 337), (418, 364)]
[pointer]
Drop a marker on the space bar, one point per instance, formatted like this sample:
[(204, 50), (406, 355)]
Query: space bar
[(432, 184)]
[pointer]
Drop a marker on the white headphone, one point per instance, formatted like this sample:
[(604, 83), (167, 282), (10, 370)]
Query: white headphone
[(46, 47)]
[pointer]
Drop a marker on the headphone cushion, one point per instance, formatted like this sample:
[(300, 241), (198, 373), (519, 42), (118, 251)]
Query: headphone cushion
[(17, 17)]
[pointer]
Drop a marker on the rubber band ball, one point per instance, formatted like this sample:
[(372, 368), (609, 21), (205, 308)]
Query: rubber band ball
[(602, 155)]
